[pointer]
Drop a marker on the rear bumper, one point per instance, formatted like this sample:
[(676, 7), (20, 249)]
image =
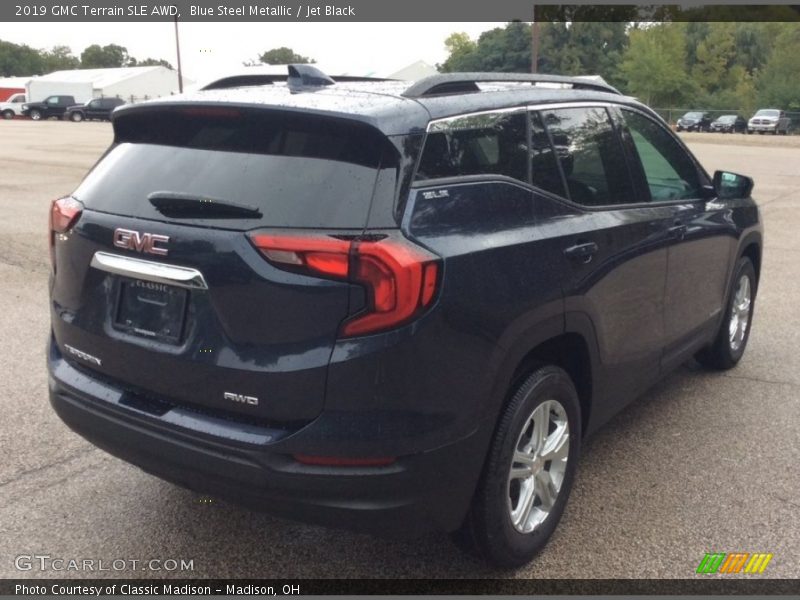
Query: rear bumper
[(252, 465)]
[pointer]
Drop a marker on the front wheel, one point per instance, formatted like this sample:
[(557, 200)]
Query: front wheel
[(728, 347), (528, 473), (77, 117), (8, 114), (35, 115)]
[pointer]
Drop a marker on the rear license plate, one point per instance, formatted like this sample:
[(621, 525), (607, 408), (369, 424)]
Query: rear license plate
[(151, 310)]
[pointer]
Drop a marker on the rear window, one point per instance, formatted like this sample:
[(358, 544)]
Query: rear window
[(481, 144), (300, 171)]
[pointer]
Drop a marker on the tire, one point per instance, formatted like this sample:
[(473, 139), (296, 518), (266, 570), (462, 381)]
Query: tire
[(35, 115), (489, 529), (728, 347), (76, 117), (8, 114)]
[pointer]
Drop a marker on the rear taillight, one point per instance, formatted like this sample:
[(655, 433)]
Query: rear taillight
[(64, 213), (400, 278)]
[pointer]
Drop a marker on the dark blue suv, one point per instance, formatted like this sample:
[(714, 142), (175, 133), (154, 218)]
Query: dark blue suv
[(387, 307)]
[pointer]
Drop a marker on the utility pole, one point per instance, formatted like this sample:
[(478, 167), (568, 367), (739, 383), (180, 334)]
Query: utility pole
[(535, 46), (178, 50)]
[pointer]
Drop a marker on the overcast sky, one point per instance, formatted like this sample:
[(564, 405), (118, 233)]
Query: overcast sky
[(208, 49)]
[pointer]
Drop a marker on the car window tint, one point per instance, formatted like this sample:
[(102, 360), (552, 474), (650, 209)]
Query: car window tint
[(485, 144), (544, 167), (591, 156), (670, 172)]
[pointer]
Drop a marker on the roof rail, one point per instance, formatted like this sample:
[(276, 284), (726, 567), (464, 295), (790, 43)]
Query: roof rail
[(467, 83), (247, 79)]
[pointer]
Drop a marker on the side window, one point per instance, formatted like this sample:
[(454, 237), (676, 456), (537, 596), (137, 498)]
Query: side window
[(591, 156), (52, 100), (18, 99), (669, 171), (485, 144), (545, 173)]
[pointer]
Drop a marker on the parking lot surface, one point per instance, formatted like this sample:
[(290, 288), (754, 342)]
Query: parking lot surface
[(704, 462)]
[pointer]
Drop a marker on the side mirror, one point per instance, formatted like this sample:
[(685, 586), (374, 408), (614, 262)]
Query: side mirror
[(730, 186)]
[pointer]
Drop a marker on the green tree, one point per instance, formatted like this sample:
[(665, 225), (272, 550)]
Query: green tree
[(503, 49), (654, 65), (583, 48), (714, 55), (59, 58), (154, 62), (777, 83), (97, 57), (19, 59), (461, 50), (283, 56)]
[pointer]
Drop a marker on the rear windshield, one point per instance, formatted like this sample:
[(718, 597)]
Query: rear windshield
[(299, 172)]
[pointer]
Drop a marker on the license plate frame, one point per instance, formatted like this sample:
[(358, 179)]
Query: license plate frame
[(154, 311)]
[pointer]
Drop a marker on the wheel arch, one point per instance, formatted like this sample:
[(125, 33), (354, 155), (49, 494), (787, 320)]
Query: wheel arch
[(751, 248), (568, 351), (568, 343)]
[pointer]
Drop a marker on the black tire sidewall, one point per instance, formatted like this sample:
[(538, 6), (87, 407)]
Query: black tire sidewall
[(506, 546), (743, 267), (720, 355)]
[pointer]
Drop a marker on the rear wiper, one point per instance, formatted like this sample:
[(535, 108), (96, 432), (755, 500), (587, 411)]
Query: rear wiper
[(184, 206)]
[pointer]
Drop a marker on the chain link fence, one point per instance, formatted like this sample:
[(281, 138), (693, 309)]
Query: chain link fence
[(671, 115)]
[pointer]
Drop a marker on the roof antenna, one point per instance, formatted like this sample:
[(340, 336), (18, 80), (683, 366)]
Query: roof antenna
[(305, 76)]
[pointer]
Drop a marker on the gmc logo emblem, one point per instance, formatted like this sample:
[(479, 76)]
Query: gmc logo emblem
[(140, 242)]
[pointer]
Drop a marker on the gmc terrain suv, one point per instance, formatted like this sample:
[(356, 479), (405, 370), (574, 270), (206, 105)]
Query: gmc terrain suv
[(390, 308)]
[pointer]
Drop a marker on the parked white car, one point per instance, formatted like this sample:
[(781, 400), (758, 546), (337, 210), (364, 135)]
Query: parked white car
[(13, 106)]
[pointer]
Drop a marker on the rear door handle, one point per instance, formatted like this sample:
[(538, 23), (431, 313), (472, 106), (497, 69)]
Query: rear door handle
[(582, 252)]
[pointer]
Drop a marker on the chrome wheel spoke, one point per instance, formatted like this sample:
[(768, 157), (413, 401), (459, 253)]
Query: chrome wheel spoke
[(538, 466), (545, 489), (557, 447), (541, 426), (740, 313)]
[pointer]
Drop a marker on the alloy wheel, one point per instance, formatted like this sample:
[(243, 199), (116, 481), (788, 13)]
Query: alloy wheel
[(740, 313), (538, 466)]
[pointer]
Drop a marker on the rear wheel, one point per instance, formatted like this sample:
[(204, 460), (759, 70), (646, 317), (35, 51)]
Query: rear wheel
[(731, 340), (528, 473), (35, 114)]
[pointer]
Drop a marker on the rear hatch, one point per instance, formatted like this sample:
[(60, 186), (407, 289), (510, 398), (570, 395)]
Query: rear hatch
[(158, 285)]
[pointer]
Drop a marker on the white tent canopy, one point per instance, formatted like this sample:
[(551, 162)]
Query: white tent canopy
[(129, 83)]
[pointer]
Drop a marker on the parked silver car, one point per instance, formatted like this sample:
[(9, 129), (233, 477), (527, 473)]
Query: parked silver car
[(769, 120)]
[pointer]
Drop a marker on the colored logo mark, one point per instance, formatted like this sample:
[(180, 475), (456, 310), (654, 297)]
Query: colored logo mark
[(734, 562)]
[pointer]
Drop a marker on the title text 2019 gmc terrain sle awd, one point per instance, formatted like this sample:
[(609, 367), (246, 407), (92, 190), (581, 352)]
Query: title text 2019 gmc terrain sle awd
[(388, 307)]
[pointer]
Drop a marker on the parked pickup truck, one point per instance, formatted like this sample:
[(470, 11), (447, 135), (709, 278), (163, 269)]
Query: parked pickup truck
[(99, 108), (13, 106), (52, 106), (769, 120)]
